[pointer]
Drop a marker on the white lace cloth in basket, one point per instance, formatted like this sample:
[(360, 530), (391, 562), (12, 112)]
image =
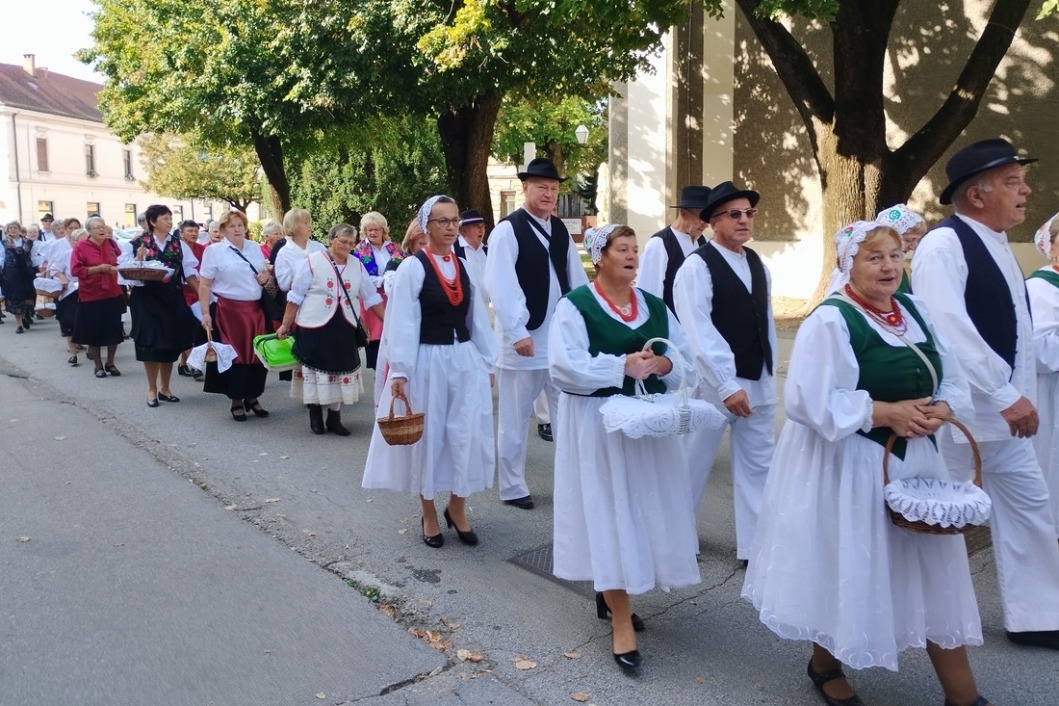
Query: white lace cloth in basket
[(938, 502), (46, 284), (659, 414)]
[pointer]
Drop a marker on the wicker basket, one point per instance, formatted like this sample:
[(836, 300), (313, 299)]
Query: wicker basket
[(144, 274), (211, 355), (42, 293), (402, 431), (919, 526), (45, 306)]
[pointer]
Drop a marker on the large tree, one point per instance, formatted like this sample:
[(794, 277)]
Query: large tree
[(859, 170), (176, 166)]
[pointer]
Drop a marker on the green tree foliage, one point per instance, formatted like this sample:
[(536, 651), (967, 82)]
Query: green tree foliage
[(550, 125), (176, 166)]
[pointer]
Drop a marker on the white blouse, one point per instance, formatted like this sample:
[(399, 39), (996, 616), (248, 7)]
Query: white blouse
[(232, 277), (290, 256)]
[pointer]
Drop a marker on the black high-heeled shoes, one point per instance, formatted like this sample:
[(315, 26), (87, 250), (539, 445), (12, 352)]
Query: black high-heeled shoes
[(603, 613), (628, 661), (432, 541), (469, 537)]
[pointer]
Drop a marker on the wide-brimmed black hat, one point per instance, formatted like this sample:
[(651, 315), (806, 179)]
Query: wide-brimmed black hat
[(977, 158), (47, 217), (694, 197), (541, 167), (471, 215), (725, 192)]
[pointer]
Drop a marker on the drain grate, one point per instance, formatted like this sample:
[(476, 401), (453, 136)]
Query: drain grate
[(539, 561)]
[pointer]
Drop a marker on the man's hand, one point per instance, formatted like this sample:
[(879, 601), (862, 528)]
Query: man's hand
[(1021, 418), (738, 404), (524, 347)]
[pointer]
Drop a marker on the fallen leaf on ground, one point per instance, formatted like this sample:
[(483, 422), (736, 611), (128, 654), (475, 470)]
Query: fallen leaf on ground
[(436, 671), (572, 655), (450, 624), (321, 696), (402, 530), (23, 538), (233, 506), (271, 500), (285, 457), (389, 609), (522, 663), (579, 696), (469, 656), (700, 680), (60, 438), (263, 453), (309, 533)]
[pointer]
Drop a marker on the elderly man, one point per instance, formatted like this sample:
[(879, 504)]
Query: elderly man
[(667, 249), (532, 262), (722, 297), (967, 275), (470, 245)]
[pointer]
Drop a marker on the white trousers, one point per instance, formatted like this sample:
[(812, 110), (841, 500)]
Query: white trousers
[(518, 390), (540, 409), (752, 441), (1024, 544)]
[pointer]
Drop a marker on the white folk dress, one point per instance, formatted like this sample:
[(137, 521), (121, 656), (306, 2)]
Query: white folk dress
[(450, 383), (623, 510), (1043, 288), (827, 564)]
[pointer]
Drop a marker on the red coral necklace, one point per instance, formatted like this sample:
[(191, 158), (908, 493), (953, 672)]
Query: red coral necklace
[(453, 289), (627, 313), (893, 319)]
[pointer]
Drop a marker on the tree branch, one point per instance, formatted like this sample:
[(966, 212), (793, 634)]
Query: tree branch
[(927, 145)]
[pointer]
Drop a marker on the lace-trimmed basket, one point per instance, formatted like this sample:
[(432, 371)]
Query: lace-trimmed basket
[(659, 414), (47, 287), (935, 505), (145, 273)]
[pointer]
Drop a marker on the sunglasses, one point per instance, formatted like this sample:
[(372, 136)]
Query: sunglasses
[(735, 213)]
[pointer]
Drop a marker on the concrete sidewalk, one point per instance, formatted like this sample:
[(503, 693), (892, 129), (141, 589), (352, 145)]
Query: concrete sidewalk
[(123, 583)]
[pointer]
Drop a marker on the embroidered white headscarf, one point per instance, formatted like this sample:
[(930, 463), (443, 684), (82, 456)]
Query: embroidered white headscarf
[(596, 240), (1042, 238), (424, 211), (899, 217), (847, 242)]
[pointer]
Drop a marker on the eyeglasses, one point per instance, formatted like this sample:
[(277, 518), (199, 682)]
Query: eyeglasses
[(445, 222), (735, 213)]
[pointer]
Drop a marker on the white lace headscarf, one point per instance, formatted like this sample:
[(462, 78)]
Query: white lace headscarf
[(424, 211), (596, 240), (1042, 238), (847, 242), (899, 217)]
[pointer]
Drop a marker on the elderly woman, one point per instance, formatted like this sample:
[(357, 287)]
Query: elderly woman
[(233, 270), (1043, 288), (298, 226), (827, 563), (16, 275), (66, 306), (100, 299), (375, 251), (270, 234), (37, 248), (162, 325), (441, 353), (321, 302), (623, 511), (911, 227)]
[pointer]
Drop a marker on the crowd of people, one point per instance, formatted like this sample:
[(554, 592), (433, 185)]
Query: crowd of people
[(921, 326)]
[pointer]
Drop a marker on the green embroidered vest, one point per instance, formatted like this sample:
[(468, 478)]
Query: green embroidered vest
[(889, 373), (1050, 276), (605, 335)]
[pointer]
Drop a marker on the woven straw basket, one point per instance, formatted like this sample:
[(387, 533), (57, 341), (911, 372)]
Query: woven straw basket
[(918, 525), (402, 431), (211, 355), (143, 274)]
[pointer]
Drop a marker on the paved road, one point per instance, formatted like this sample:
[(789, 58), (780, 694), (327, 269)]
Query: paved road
[(269, 484)]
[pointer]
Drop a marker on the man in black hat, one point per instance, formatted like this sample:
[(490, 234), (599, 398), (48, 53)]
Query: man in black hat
[(470, 246), (974, 290), (532, 262), (45, 227), (665, 252), (722, 296)]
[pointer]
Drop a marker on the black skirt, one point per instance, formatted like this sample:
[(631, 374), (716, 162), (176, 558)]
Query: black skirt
[(66, 314), (331, 348), (99, 322), (162, 324)]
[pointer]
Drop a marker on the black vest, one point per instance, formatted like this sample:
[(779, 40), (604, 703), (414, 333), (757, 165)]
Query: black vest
[(986, 294), (674, 259), (531, 267), (741, 317), (461, 252), (442, 323)]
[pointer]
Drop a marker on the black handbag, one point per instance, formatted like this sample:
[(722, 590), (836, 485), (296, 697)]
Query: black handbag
[(270, 306)]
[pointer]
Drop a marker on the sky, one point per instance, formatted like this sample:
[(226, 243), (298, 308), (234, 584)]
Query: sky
[(51, 29)]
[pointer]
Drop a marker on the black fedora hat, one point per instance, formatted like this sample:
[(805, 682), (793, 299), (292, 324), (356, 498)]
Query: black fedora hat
[(541, 167), (977, 158), (471, 215), (694, 197), (725, 192)]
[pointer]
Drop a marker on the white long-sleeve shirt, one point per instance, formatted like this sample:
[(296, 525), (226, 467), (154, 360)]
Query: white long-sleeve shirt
[(654, 261), (714, 360), (509, 301), (940, 273)]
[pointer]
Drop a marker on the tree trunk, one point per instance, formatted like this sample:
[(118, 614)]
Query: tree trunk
[(270, 153), (466, 133)]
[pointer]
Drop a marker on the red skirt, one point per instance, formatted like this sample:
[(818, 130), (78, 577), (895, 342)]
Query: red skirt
[(237, 323)]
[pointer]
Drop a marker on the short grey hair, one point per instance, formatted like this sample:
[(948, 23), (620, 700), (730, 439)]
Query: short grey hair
[(91, 222), (270, 228), (212, 224), (983, 182)]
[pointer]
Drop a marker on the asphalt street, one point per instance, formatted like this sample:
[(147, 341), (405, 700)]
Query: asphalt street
[(174, 556)]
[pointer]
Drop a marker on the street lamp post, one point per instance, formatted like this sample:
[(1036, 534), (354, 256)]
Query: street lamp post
[(581, 133)]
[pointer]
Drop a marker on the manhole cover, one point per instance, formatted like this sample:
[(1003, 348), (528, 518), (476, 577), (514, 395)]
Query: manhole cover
[(539, 561)]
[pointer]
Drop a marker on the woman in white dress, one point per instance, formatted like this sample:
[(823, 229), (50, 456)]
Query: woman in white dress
[(1043, 289), (827, 563), (441, 352), (323, 302), (623, 509)]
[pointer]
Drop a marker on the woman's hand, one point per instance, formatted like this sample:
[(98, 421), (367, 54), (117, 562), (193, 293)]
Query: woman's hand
[(935, 412), (906, 417), (399, 388), (141, 253), (262, 277), (207, 322), (283, 331), (640, 365)]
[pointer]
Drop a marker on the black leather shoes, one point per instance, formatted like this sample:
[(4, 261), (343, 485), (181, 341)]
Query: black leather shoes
[(168, 398), (523, 503), (820, 679), (603, 613), (469, 537), (1036, 638), (544, 431), (434, 541), (334, 423), (628, 661)]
